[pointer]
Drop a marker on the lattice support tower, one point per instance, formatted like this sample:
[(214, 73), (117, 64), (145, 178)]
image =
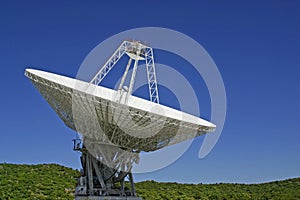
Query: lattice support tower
[(136, 51)]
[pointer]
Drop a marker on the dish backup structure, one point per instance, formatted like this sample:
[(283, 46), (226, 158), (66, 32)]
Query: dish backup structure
[(114, 125)]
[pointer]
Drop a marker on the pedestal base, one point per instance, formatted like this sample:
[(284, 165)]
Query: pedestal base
[(99, 181)]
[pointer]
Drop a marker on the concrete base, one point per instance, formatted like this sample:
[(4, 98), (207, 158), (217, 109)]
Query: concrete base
[(106, 198)]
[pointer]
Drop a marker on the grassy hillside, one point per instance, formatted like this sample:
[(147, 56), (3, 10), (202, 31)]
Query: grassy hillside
[(287, 190), (51, 181), (47, 181)]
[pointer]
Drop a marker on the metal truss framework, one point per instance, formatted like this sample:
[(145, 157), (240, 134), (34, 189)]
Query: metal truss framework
[(105, 168), (136, 51), (99, 181)]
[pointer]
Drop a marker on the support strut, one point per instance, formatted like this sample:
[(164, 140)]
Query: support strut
[(137, 52), (99, 181)]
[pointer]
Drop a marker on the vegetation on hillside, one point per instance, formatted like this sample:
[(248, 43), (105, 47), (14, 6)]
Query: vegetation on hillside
[(44, 181), (288, 189), (52, 181)]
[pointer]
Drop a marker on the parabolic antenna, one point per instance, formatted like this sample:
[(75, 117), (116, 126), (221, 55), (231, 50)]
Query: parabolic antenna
[(115, 125)]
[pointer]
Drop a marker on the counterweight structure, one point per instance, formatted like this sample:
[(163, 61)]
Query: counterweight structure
[(115, 125)]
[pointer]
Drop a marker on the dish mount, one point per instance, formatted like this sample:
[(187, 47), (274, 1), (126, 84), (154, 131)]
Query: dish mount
[(115, 125)]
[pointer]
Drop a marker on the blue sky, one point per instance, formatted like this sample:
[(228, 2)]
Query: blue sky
[(255, 45)]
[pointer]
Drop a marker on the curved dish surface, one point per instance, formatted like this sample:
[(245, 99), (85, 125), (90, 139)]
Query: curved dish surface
[(102, 115)]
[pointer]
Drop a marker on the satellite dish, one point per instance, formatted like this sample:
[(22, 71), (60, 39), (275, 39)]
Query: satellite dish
[(115, 125)]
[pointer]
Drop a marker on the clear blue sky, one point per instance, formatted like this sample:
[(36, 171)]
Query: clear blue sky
[(255, 45)]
